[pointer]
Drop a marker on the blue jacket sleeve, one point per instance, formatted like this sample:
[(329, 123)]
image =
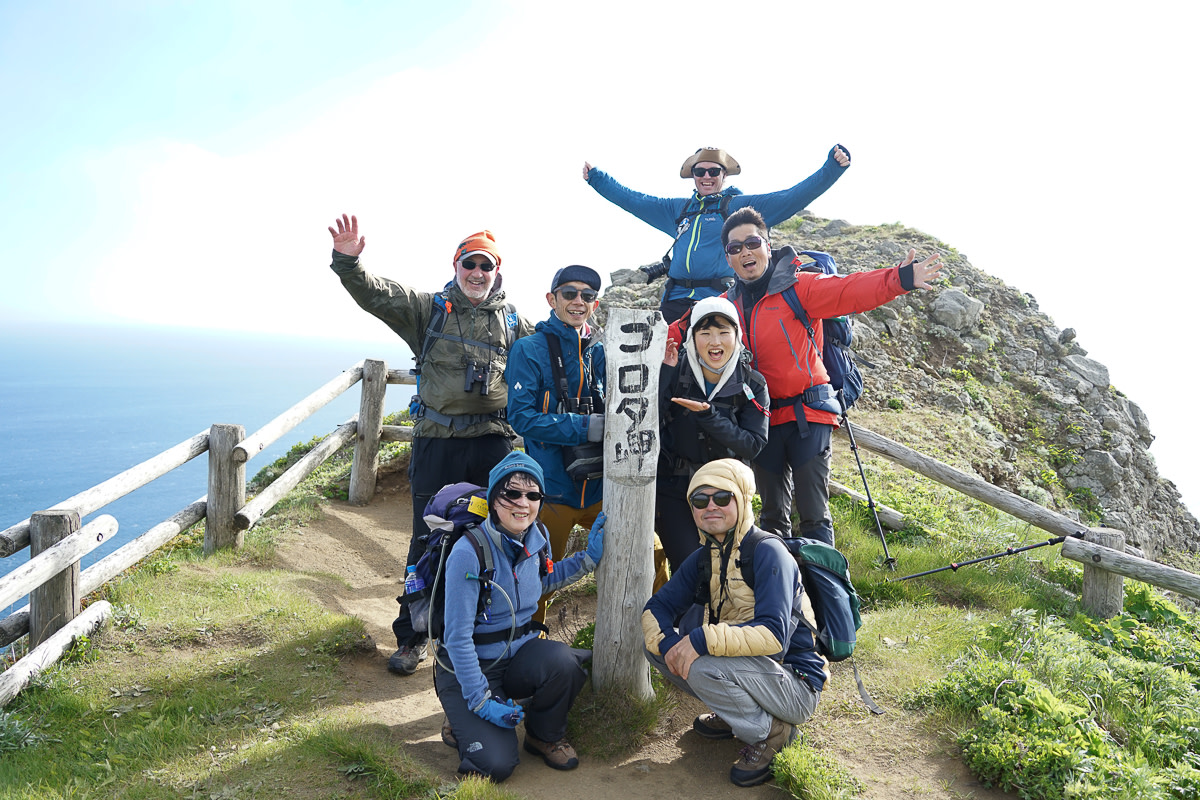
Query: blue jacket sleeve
[(779, 206), (668, 603), (531, 397), (657, 212), (462, 600)]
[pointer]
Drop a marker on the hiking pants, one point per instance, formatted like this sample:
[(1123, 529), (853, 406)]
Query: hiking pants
[(544, 677), (794, 469), (435, 463), (673, 520), (746, 691), (560, 520)]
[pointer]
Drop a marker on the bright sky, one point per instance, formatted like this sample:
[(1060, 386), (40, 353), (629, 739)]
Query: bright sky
[(178, 163)]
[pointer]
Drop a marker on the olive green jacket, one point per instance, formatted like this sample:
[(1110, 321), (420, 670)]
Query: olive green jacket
[(443, 376)]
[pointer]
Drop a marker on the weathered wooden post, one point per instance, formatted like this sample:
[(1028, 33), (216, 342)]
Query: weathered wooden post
[(56, 602), (1103, 591), (634, 344), (370, 425), (226, 488)]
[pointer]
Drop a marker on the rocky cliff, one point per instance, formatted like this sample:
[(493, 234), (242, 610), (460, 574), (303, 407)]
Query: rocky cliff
[(976, 375)]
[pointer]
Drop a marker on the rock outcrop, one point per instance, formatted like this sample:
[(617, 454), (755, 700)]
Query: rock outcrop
[(1007, 393)]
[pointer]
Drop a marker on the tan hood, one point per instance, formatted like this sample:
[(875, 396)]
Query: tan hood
[(730, 475)]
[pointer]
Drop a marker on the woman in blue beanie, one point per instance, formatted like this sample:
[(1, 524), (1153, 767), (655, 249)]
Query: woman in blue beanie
[(492, 667)]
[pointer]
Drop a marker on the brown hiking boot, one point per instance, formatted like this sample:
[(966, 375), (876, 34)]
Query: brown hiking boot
[(448, 737), (559, 755), (754, 764), (711, 726)]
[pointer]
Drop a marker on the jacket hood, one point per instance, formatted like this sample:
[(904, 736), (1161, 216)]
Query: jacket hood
[(707, 307), (731, 475)]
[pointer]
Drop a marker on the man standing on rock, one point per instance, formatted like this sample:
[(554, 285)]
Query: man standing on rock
[(793, 468), (750, 658), (696, 269), (460, 337)]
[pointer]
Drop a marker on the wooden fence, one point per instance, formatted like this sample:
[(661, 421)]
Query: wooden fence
[(55, 584)]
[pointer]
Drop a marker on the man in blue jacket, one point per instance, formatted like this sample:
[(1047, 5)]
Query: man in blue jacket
[(560, 420), (697, 268), (751, 659)]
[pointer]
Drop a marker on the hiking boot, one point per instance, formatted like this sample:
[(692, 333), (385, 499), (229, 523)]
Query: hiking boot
[(559, 755), (754, 763), (448, 737), (404, 661), (711, 726)]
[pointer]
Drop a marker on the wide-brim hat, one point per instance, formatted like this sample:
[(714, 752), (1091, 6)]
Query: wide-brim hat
[(713, 154)]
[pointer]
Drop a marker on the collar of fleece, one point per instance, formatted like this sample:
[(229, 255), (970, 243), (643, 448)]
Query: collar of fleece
[(730, 366), (730, 475)]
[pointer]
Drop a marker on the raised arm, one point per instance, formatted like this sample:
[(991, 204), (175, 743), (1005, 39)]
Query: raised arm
[(657, 212), (779, 206)]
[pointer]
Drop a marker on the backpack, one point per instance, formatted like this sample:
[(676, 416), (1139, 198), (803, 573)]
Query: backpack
[(844, 376), (454, 512), (434, 331), (825, 578)]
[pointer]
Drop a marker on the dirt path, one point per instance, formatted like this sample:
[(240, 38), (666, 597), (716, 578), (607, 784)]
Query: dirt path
[(364, 548)]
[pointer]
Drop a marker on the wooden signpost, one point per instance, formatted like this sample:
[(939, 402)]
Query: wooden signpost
[(634, 344)]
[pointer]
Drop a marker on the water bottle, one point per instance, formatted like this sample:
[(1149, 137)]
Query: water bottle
[(412, 581)]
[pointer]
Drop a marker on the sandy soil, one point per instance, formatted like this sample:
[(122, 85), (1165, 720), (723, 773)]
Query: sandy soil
[(364, 547)]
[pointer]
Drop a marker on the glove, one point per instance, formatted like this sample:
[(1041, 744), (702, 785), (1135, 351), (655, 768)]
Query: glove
[(505, 714), (595, 427), (595, 543)]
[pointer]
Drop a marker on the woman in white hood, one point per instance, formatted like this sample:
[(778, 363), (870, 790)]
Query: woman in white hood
[(712, 405)]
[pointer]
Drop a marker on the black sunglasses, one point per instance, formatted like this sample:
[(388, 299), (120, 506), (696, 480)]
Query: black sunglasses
[(485, 265), (698, 172), (700, 500), (751, 242), (570, 293), (517, 494)]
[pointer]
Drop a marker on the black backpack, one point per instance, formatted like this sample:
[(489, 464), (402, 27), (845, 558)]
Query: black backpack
[(454, 512)]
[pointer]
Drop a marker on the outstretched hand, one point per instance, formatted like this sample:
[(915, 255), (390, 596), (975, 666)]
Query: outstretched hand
[(595, 543), (346, 239), (691, 405), (587, 168), (841, 156), (924, 272)]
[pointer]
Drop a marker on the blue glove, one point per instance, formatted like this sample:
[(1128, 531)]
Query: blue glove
[(595, 544), (505, 714)]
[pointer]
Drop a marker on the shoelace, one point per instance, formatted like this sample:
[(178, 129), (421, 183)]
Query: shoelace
[(753, 752)]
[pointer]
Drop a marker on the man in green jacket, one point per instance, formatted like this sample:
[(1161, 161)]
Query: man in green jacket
[(462, 429)]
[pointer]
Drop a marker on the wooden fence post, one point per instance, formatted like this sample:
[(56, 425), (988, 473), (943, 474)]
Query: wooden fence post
[(370, 425), (634, 344), (226, 488), (1103, 591), (56, 602)]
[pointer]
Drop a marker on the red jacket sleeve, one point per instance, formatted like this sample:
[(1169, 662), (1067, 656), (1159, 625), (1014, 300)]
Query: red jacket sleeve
[(825, 296)]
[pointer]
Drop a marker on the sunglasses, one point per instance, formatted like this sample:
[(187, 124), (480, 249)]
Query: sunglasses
[(517, 494), (751, 242), (700, 500), (570, 293), (699, 172), (484, 265)]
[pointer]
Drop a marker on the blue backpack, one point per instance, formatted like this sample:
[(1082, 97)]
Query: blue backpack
[(457, 510), (835, 353)]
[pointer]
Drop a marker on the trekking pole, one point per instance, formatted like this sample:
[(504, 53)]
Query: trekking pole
[(1008, 552), (888, 561)]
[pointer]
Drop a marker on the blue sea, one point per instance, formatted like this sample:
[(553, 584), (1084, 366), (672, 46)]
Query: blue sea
[(80, 404)]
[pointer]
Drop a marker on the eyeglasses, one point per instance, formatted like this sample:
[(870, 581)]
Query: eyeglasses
[(570, 293), (699, 172), (751, 242), (517, 494), (700, 500), (484, 265)]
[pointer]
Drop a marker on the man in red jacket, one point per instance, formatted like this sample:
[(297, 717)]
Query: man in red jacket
[(794, 466)]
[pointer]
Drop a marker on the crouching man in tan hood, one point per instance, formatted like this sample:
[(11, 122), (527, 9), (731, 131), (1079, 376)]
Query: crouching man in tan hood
[(745, 654)]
